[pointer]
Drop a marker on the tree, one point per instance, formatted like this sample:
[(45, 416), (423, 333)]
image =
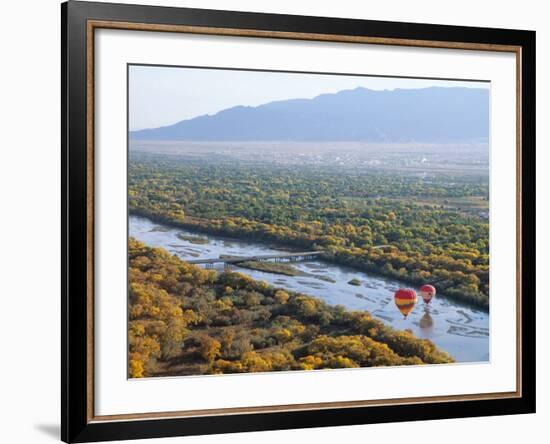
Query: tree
[(210, 348), (281, 296)]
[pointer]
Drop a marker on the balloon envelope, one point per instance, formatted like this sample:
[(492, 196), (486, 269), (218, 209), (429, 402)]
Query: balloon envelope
[(427, 292), (405, 299)]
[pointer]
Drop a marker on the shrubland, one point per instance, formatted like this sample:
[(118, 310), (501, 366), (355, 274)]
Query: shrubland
[(185, 320)]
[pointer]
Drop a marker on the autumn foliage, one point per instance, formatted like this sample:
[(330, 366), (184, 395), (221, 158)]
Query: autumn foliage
[(398, 225), (185, 320)]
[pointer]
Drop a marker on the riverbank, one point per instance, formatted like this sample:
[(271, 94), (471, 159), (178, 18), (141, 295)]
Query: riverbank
[(339, 257), (456, 327), (227, 322)]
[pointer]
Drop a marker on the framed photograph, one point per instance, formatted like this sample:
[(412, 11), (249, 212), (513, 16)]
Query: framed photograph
[(275, 221)]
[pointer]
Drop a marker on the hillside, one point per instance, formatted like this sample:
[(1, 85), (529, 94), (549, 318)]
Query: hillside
[(186, 320), (435, 114)]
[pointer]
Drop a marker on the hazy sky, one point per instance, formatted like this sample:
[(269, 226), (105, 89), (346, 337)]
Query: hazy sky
[(160, 96)]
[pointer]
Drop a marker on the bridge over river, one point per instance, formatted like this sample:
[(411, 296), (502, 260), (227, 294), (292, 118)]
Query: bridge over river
[(283, 257)]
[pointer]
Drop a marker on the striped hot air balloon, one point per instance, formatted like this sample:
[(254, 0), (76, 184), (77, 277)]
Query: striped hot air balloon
[(405, 299), (427, 292)]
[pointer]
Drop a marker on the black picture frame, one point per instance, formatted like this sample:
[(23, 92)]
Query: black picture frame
[(77, 327)]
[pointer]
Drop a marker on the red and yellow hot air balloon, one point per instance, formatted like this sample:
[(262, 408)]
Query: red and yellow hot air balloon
[(427, 292), (405, 299)]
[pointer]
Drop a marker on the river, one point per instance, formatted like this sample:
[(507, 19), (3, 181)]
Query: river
[(459, 329)]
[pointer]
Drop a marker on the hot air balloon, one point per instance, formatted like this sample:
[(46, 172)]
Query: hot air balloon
[(405, 299), (427, 292)]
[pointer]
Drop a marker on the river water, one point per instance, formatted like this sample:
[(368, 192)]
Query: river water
[(457, 328)]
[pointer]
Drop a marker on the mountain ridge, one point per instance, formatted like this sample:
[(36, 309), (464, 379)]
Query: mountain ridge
[(433, 114)]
